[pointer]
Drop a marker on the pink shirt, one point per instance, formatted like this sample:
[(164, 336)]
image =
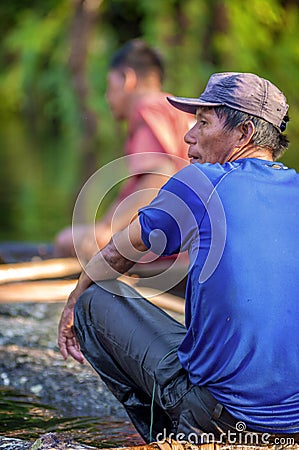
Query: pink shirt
[(157, 127)]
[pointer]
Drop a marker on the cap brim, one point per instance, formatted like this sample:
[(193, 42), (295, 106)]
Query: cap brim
[(189, 105)]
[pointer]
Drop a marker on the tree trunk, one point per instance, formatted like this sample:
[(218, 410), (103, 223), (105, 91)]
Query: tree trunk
[(218, 24), (86, 13)]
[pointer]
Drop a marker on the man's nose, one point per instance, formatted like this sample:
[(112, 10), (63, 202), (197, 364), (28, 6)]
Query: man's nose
[(190, 136)]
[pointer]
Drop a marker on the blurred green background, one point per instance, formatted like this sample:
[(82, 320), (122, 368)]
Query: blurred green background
[(55, 126)]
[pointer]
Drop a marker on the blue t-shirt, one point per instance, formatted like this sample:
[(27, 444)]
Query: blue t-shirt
[(240, 224)]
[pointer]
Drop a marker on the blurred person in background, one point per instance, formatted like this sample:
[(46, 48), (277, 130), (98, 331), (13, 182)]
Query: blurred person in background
[(135, 96)]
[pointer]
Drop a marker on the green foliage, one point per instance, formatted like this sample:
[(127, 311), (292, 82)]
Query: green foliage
[(40, 127)]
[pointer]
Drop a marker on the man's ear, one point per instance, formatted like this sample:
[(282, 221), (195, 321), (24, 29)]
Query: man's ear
[(130, 79), (247, 130)]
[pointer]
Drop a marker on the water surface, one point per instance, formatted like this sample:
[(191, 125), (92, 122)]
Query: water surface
[(23, 417)]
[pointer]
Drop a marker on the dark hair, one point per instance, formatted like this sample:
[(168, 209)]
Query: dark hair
[(265, 135), (140, 57)]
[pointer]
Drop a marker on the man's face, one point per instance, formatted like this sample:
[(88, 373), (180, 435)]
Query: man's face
[(116, 94), (208, 141)]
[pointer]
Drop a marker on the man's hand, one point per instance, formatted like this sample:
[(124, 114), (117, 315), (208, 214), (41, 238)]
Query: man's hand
[(67, 340), (108, 264)]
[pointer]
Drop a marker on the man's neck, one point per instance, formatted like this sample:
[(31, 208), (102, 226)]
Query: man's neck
[(251, 151)]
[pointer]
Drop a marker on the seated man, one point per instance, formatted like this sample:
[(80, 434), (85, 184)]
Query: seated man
[(134, 94), (234, 367)]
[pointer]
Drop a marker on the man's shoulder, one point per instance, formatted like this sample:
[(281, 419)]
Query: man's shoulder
[(241, 166), (157, 102), (196, 179), (204, 178), (150, 100), (151, 109), (211, 171)]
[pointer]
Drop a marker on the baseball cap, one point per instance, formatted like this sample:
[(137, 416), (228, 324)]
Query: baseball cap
[(245, 92)]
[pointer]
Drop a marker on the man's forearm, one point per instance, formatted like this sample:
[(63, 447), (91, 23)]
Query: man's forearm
[(125, 248), (115, 259), (107, 264)]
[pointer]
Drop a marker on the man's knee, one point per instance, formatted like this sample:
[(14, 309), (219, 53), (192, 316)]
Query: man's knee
[(89, 311), (101, 305), (95, 300)]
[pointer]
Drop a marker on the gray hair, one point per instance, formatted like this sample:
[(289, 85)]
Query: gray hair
[(265, 135)]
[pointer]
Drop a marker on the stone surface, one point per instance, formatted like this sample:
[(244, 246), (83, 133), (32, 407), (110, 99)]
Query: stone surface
[(31, 364)]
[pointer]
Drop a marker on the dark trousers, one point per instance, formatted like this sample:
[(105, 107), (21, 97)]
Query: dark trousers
[(133, 345)]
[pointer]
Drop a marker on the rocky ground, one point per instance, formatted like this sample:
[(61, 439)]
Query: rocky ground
[(63, 405), (31, 366)]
